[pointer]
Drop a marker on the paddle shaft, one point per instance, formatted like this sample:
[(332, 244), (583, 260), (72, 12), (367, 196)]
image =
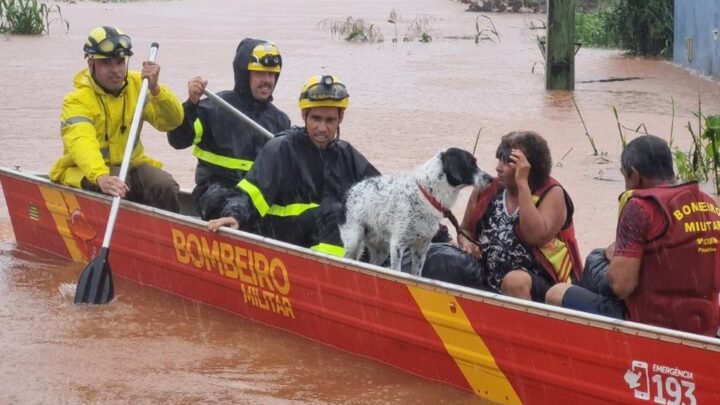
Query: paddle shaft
[(214, 97), (129, 146)]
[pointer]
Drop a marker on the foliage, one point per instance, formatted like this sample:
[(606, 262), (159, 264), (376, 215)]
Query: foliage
[(701, 161), (28, 17), (353, 30), (643, 27), (592, 28), (711, 135)]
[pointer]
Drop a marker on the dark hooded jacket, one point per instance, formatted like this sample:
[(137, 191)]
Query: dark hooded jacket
[(292, 183), (225, 146)]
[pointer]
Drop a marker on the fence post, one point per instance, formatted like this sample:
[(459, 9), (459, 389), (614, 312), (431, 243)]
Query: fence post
[(560, 53)]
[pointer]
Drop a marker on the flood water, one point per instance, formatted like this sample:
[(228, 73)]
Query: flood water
[(408, 100)]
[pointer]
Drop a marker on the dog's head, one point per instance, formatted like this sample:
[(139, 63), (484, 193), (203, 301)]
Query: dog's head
[(461, 169)]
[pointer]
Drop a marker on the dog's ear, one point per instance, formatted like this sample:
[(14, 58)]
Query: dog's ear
[(459, 166)]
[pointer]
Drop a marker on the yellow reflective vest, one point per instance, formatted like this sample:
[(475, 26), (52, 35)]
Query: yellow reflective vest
[(95, 127)]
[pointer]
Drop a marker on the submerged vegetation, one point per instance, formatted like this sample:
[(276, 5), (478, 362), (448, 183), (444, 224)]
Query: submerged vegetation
[(418, 29), (485, 29), (700, 162), (357, 30), (519, 6), (353, 29), (29, 17), (505, 5)]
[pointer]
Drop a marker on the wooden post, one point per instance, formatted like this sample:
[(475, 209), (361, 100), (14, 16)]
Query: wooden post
[(560, 53)]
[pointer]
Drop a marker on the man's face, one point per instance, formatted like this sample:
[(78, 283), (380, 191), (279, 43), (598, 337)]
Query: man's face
[(262, 84), (109, 73), (322, 124)]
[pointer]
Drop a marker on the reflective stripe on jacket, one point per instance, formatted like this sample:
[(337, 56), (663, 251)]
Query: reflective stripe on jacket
[(290, 178), (225, 145), (95, 127)]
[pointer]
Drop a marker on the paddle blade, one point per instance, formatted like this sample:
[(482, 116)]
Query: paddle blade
[(96, 283)]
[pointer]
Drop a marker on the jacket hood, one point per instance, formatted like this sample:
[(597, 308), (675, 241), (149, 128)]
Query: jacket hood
[(242, 76)]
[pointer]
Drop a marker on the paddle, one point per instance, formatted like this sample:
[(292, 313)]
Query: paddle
[(96, 284), (214, 97)]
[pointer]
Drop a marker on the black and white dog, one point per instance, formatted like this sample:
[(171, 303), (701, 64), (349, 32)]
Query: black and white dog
[(392, 213)]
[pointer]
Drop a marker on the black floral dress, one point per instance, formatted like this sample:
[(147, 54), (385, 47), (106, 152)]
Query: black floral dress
[(502, 250)]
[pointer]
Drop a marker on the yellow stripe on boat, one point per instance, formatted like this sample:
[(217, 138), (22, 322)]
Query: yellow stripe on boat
[(464, 345), (60, 208)]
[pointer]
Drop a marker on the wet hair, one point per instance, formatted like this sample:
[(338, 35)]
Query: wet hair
[(536, 151), (651, 157)]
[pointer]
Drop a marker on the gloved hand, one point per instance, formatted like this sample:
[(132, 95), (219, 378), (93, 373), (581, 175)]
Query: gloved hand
[(442, 235), (329, 214)]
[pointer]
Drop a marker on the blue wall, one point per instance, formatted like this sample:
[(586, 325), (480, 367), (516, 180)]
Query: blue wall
[(696, 19)]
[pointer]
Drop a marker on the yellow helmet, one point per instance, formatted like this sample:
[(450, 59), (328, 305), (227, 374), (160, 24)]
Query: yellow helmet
[(107, 42), (324, 91), (265, 57)]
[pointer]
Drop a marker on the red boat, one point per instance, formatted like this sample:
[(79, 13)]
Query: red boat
[(502, 349)]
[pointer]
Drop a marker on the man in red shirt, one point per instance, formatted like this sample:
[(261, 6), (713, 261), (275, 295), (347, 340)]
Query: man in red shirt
[(664, 267)]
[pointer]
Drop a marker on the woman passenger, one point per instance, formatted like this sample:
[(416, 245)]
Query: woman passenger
[(518, 230)]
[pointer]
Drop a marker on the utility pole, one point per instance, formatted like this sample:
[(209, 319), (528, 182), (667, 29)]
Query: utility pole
[(560, 53)]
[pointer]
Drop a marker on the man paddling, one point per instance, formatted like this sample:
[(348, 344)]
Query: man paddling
[(95, 124), (226, 147)]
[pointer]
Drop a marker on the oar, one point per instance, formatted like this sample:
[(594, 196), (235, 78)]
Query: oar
[(214, 97), (96, 284)]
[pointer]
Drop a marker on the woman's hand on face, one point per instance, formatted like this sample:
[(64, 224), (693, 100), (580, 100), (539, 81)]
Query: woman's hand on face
[(519, 162)]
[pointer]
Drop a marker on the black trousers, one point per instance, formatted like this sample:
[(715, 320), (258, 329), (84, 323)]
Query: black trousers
[(148, 185)]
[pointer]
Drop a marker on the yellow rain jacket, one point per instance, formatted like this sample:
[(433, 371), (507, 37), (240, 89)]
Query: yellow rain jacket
[(95, 127)]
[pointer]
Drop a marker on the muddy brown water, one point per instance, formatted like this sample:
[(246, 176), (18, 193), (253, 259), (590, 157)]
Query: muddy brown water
[(408, 100)]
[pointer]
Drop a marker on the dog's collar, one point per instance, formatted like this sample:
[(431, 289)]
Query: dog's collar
[(433, 201)]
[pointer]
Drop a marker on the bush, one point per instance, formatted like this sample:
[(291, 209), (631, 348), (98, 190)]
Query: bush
[(28, 17), (592, 29), (702, 160), (643, 27)]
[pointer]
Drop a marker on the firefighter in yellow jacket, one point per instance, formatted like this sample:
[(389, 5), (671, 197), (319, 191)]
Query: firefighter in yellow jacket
[(95, 124)]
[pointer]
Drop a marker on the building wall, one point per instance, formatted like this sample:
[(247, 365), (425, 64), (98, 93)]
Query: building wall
[(698, 21)]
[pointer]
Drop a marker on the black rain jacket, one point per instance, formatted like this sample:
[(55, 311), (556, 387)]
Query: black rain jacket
[(291, 179), (225, 146)]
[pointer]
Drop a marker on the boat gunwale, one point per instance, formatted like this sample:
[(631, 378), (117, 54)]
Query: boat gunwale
[(498, 300)]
